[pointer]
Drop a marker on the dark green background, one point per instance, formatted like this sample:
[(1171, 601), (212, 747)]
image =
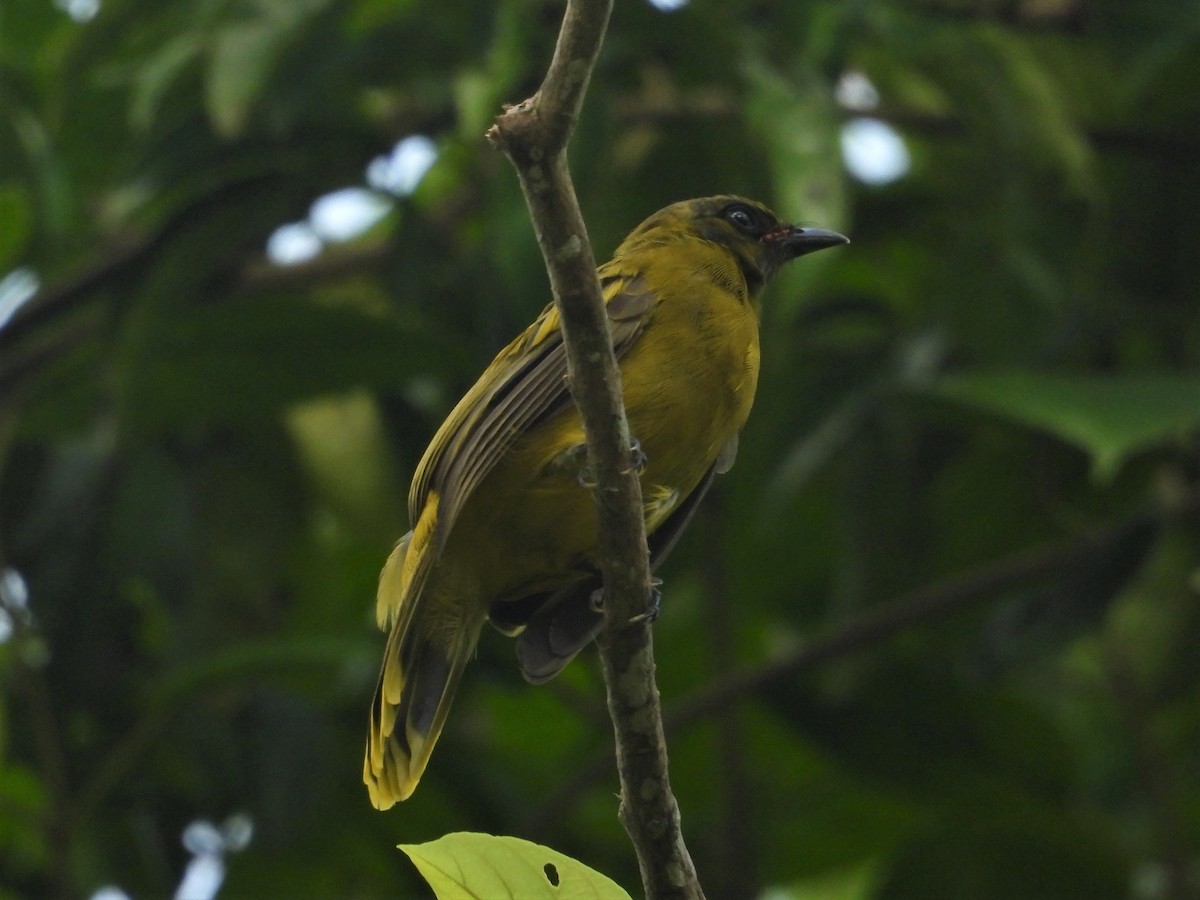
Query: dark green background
[(203, 458)]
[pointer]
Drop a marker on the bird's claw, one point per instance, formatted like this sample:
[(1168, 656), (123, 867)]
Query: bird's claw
[(637, 458), (596, 602), (575, 457), (586, 478), (654, 609)]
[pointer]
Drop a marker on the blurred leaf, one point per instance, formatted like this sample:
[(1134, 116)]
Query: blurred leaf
[(242, 360), (1078, 599), (342, 443), (1109, 416), (1030, 103), (480, 92), (24, 807), (155, 76), (799, 125), (242, 60), (244, 57), (16, 218), (464, 865), (54, 193), (840, 820), (475, 99), (998, 854), (246, 661), (855, 883)]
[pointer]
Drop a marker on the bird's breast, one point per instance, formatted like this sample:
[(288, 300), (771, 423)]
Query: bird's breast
[(689, 383)]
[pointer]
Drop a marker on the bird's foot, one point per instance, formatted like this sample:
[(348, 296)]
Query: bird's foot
[(572, 459), (654, 609), (596, 602), (586, 477), (576, 457), (637, 458)]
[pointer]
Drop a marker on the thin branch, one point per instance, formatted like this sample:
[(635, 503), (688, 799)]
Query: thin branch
[(534, 135)]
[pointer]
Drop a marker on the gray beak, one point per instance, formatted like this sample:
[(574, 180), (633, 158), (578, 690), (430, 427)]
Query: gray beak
[(799, 241)]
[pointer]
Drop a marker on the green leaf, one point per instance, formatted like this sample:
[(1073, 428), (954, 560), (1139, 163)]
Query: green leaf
[(248, 660), (16, 219), (998, 854), (242, 60), (238, 362), (245, 56), (466, 865), (799, 126), (858, 882), (342, 442), (158, 74), (475, 99), (1110, 417), (1034, 105), (22, 835)]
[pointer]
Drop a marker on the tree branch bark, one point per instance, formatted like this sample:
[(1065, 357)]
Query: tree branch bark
[(534, 134)]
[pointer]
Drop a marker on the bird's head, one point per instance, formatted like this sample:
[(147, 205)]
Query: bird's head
[(753, 234)]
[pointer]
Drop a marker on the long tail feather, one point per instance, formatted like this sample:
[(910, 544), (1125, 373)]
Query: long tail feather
[(413, 696)]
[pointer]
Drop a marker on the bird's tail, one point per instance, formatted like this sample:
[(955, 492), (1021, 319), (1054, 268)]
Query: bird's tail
[(421, 669)]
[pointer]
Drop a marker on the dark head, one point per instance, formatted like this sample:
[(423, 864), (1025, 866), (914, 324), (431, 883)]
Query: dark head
[(751, 232)]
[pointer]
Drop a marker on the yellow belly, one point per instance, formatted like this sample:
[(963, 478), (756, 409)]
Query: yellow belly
[(689, 383)]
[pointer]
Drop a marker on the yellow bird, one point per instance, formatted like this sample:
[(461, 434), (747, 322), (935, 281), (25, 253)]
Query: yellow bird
[(503, 528)]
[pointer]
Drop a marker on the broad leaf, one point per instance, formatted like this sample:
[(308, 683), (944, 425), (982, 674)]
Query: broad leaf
[(1111, 417)]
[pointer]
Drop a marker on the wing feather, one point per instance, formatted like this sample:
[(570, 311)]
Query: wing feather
[(524, 385)]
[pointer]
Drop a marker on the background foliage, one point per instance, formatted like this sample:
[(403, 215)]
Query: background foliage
[(203, 454)]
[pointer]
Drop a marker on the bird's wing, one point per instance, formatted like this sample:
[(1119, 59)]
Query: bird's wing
[(525, 384)]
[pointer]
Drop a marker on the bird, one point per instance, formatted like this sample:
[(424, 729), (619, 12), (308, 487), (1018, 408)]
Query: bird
[(503, 526)]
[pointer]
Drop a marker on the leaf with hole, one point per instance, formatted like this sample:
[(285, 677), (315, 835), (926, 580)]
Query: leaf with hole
[(467, 865)]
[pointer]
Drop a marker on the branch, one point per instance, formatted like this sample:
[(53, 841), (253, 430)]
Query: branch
[(534, 135)]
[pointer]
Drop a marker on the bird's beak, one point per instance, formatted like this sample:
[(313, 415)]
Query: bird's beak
[(796, 241)]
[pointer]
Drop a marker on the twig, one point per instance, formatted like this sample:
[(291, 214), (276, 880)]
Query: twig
[(534, 135)]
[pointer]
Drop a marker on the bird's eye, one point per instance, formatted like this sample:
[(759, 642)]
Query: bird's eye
[(740, 218)]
